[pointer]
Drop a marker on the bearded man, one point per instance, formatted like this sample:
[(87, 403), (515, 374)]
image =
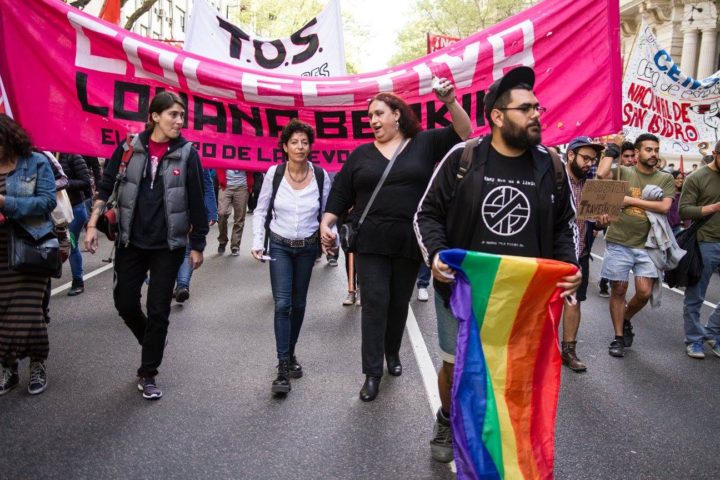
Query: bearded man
[(511, 200)]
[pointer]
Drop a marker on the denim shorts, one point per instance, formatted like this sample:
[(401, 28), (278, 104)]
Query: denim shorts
[(447, 326), (619, 260)]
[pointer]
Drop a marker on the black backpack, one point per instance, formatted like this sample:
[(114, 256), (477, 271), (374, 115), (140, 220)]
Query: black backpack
[(689, 269), (279, 173)]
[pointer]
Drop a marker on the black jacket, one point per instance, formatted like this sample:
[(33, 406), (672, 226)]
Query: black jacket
[(449, 211), (78, 176)]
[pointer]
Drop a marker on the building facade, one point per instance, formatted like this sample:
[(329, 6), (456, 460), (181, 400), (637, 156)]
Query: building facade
[(167, 20), (687, 29)]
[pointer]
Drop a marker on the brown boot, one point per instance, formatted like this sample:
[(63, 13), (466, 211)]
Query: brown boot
[(570, 359)]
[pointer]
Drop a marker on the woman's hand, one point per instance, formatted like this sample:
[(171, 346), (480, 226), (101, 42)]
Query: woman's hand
[(328, 238), (447, 88), (257, 254), (91, 238)]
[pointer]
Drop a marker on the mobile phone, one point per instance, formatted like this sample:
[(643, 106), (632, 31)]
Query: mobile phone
[(267, 257)]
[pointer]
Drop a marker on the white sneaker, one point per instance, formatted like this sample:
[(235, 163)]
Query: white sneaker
[(350, 299), (423, 294)]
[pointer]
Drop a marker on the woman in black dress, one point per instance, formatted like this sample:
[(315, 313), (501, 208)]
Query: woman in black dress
[(387, 253)]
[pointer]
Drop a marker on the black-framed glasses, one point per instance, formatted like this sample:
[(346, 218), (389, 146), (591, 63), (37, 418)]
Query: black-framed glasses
[(587, 158), (527, 109)]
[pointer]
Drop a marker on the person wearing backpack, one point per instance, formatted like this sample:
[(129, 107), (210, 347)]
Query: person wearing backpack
[(285, 233), (159, 210), (700, 198), (505, 194)]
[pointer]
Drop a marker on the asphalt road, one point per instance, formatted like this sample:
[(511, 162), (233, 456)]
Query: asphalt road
[(651, 415)]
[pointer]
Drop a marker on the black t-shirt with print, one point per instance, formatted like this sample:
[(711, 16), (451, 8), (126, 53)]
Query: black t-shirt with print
[(508, 220)]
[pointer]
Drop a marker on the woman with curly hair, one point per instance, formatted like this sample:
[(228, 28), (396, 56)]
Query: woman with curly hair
[(387, 253), (27, 198), (286, 220)]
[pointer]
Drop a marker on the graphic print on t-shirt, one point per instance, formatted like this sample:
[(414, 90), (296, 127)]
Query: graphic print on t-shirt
[(505, 210), (509, 198)]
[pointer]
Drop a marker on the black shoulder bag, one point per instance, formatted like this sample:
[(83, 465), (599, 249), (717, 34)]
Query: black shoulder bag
[(348, 233), (33, 256)]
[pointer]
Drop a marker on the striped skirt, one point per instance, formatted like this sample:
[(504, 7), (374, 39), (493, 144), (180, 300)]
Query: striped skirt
[(23, 331)]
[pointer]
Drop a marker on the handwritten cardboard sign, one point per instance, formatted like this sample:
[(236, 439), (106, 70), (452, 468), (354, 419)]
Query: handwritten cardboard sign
[(601, 197)]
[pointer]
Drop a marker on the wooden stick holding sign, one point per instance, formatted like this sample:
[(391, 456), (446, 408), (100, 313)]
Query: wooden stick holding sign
[(601, 197)]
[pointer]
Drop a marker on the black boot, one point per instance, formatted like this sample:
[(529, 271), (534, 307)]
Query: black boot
[(393, 364), (77, 287), (296, 370), (282, 383), (370, 389)]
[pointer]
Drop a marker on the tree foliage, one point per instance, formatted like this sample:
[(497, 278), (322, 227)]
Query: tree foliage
[(456, 18)]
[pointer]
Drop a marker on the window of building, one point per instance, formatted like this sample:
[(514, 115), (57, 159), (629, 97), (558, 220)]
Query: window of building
[(181, 18)]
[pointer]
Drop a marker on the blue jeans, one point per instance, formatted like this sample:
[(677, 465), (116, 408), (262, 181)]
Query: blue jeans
[(290, 278), (80, 217), (423, 278), (695, 331), (185, 273)]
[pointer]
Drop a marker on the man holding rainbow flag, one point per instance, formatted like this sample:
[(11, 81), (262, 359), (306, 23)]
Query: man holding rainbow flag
[(509, 208)]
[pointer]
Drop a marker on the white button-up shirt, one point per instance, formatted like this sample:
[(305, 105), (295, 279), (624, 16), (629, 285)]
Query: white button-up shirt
[(295, 211)]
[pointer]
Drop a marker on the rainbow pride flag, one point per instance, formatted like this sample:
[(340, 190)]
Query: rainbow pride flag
[(507, 370)]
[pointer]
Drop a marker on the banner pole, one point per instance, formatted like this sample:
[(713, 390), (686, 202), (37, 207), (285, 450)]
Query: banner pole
[(626, 61)]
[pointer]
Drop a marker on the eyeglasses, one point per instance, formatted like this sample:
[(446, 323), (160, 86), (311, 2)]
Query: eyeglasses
[(527, 109), (587, 158)]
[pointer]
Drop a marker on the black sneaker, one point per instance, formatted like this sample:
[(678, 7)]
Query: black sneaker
[(38, 378), (9, 379), (149, 388), (77, 288), (617, 348), (221, 248), (628, 334), (235, 251), (182, 294), (441, 446)]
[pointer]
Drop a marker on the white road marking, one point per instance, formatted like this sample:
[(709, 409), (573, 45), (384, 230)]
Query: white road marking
[(66, 286), (678, 291)]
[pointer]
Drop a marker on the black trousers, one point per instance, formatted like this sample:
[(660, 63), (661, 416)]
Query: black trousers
[(132, 266), (387, 285)]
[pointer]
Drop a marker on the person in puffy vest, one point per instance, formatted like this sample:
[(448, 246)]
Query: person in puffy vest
[(160, 209)]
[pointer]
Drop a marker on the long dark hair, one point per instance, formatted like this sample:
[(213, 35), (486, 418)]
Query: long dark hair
[(161, 102), (408, 124), (13, 138)]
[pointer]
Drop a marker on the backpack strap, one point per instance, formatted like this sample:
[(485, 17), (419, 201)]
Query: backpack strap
[(467, 157), (279, 173), (559, 170), (320, 179), (127, 153)]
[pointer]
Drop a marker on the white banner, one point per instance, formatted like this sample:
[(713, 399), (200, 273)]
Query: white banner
[(316, 50), (658, 98)]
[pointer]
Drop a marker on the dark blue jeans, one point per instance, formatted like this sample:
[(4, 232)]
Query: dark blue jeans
[(290, 277), (423, 278)]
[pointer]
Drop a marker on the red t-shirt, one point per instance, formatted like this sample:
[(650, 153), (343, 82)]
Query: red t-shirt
[(155, 153)]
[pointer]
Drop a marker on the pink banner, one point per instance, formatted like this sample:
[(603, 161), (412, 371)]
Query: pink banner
[(78, 83)]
